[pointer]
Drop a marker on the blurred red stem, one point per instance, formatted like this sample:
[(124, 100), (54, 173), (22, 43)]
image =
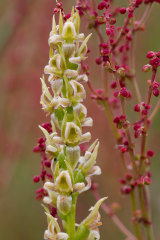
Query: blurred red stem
[(114, 218)]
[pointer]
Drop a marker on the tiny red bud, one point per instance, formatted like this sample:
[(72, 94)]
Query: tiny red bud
[(123, 149), (145, 112), (150, 153), (116, 93), (67, 16), (116, 120), (137, 108), (150, 54), (55, 10), (128, 176), (98, 60), (53, 211), (36, 179), (124, 92), (113, 84), (47, 163), (122, 10), (126, 189), (139, 1), (38, 197), (155, 62), (102, 5), (122, 181), (156, 92)]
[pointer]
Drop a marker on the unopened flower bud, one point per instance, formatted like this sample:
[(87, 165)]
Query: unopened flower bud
[(73, 155), (64, 204)]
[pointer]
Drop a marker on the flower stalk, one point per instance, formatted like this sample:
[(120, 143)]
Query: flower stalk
[(60, 148)]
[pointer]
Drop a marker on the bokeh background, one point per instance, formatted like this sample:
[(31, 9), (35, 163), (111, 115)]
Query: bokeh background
[(24, 30)]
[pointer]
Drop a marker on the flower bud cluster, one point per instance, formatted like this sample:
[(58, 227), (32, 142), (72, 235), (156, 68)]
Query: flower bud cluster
[(62, 101)]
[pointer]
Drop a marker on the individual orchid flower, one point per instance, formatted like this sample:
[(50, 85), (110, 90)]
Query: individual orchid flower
[(92, 221), (87, 163), (53, 231), (78, 91)]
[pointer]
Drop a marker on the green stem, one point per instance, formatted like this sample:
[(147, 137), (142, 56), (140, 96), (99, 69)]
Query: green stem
[(71, 218)]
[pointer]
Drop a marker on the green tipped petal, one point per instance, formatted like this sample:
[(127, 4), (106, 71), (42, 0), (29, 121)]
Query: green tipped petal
[(94, 212), (84, 44), (60, 23)]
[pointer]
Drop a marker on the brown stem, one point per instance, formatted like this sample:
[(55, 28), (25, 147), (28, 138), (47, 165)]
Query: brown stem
[(120, 35)]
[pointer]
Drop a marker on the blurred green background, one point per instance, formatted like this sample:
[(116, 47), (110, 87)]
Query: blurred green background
[(24, 30)]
